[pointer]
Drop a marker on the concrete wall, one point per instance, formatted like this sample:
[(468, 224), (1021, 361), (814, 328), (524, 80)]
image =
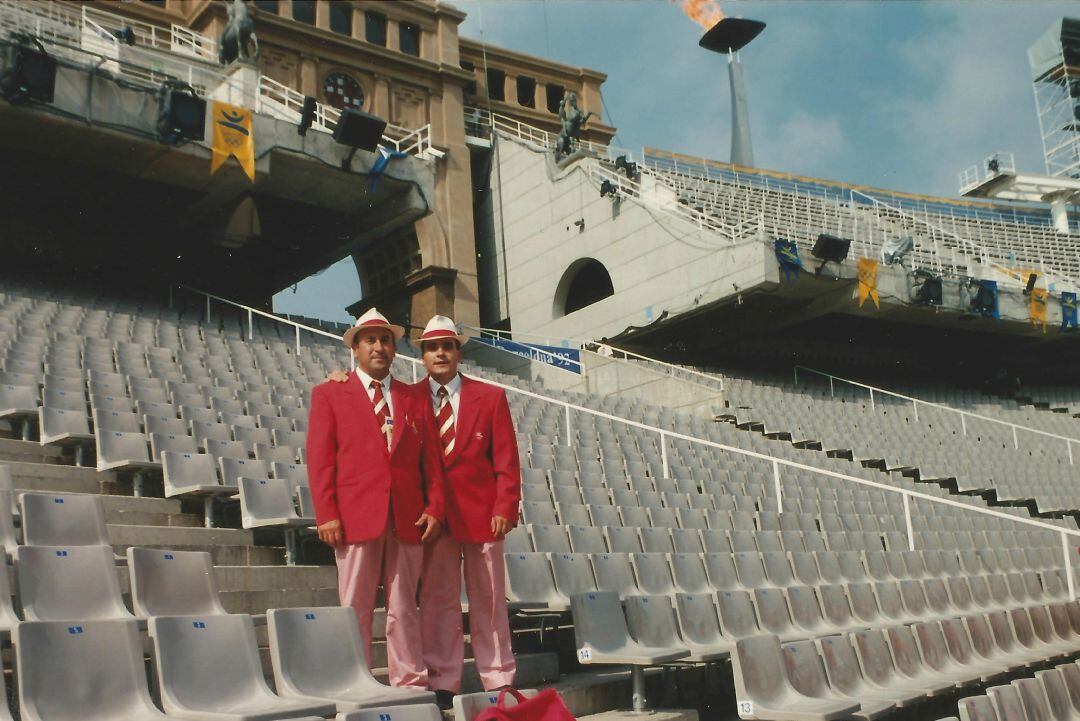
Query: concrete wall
[(613, 378), (657, 263)]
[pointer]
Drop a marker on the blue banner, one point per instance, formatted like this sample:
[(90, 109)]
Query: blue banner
[(787, 255), (1068, 311), (566, 358)]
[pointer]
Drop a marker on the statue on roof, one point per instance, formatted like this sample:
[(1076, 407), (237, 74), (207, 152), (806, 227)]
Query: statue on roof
[(572, 118), (239, 32)]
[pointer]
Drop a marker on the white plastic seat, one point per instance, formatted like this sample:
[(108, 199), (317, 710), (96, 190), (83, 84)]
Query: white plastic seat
[(653, 573), (208, 669), (268, 502), (651, 620), (318, 656), (118, 451), (172, 583), (63, 427), (410, 712), (191, 474), (68, 583), (614, 573), (235, 468), (845, 676), (601, 634), (880, 672), (699, 625), (63, 519), (762, 683), (529, 582), (176, 443), (76, 671), (572, 573)]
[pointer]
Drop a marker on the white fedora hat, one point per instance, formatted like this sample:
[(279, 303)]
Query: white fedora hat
[(371, 320), (441, 327)]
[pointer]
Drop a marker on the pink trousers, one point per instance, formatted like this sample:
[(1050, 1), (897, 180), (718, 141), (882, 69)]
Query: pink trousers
[(441, 618), (362, 567)]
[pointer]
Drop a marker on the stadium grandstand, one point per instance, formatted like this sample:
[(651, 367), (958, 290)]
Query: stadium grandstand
[(729, 510)]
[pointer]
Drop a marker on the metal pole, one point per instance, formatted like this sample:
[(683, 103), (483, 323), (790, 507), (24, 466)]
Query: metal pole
[(1068, 565), (1016, 443), (907, 522), (637, 677), (796, 375), (568, 425), (208, 310), (1068, 445), (251, 326), (776, 485), (872, 407), (832, 391), (963, 423), (297, 341), (663, 452), (915, 405)]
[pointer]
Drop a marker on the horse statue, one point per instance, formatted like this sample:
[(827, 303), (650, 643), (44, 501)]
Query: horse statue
[(239, 32), (572, 119)]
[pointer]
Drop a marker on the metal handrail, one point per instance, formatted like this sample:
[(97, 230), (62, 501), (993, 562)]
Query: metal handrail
[(916, 401), (665, 435)]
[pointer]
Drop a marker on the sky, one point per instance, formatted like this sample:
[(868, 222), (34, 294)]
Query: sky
[(897, 95)]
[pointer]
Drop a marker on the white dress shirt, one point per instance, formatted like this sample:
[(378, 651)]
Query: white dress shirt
[(385, 382), (453, 389)]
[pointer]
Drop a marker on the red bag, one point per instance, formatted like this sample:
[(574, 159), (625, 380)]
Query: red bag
[(547, 705)]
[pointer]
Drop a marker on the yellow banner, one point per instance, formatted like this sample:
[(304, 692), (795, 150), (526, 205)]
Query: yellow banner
[(232, 137), (868, 281), (1037, 307)]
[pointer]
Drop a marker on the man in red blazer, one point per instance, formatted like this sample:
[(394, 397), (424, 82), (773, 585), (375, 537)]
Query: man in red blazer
[(374, 466), (483, 477)]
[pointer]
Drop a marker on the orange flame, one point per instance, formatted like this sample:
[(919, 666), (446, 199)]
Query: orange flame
[(705, 13)]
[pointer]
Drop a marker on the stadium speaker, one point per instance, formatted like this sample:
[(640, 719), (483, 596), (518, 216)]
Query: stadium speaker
[(608, 188), (29, 73), (982, 301), (1032, 278), (307, 115), (181, 113), (830, 249), (125, 35), (358, 129)]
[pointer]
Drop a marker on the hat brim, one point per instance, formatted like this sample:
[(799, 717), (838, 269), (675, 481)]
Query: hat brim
[(462, 339), (397, 330)]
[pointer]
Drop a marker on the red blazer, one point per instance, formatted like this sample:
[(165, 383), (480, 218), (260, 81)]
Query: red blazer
[(355, 479), (483, 472)]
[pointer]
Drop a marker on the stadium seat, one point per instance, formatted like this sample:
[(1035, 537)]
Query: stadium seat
[(75, 671), (764, 689), (208, 668), (53, 519), (172, 583), (317, 656), (71, 583), (977, 708), (651, 621), (601, 634), (529, 582), (909, 662), (413, 712), (19, 404), (846, 676)]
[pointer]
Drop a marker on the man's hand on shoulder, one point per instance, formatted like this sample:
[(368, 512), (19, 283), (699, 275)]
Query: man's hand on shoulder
[(430, 525), (337, 376), (331, 533)]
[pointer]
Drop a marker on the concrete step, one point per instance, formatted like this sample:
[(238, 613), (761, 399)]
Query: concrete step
[(260, 601), (29, 476), (267, 578), (533, 670), (177, 537), (28, 451), (157, 520)]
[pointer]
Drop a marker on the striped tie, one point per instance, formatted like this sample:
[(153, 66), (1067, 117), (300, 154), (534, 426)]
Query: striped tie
[(382, 413), (445, 420)]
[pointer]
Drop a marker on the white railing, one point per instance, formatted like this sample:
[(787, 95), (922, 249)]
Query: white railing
[(666, 436), (85, 34), (916, 402)]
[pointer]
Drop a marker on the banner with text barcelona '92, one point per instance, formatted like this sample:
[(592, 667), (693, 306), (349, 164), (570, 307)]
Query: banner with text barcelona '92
[(232, 137)]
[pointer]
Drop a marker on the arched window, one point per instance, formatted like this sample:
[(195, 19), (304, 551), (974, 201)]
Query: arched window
[(585, 282)]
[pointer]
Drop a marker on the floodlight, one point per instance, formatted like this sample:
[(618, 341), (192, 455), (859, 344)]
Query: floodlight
[(830, 249), (358, 129), (927, 289), (621, 163), (181, 113), (608, 188), (125, 35)]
